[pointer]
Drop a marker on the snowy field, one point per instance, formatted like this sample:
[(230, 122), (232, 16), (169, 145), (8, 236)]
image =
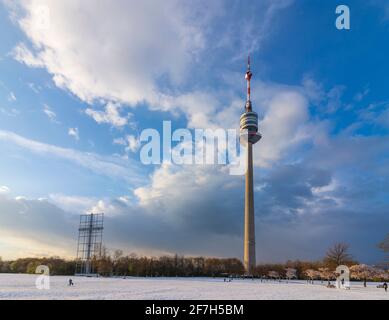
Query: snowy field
[(23, 287)]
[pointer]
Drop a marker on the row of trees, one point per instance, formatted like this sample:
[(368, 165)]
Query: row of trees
[(132, 265), (117, 264), (167, 266), (326, 269), (57, 265), (360, 272), (335, 256)]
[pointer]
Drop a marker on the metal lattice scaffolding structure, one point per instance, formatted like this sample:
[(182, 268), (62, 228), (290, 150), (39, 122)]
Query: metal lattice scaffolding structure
[(90, 238)]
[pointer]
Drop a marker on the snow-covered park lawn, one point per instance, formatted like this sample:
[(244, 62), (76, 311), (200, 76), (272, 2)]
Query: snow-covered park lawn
[(23, 287)]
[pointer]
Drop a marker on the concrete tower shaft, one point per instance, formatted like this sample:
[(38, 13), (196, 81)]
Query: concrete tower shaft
[(249, 136)]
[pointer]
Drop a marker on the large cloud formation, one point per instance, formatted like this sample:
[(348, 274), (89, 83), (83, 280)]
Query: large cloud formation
[(148, 52), (124, 53), (301, 210), (110, 50)]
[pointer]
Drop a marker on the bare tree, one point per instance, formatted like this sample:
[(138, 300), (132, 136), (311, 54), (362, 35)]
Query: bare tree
[(338, 255), (117, 254)]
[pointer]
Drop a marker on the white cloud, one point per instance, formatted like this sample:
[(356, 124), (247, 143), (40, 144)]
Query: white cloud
[(20, 198), (111, 115), (73, 132), (106, 207), (286, 115), (155, 43), (34, 87), (123, 63), (10, 112), (84, 205), (199, 107), (120, 141), (104, 165), (130, 142), (4, 190), (22, 54), (11, 97), (171, 186), (50, 113), (72, 204), (133, 143), (137, 43)]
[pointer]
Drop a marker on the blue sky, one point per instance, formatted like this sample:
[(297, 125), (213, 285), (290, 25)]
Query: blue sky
[(75, 95)]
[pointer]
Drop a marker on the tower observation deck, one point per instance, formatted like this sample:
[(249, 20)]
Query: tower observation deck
[(249, 119)]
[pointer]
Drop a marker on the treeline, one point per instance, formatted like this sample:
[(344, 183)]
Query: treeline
[(132, 265), (281, 269), (164, 266), (117, 264), (57, 265)]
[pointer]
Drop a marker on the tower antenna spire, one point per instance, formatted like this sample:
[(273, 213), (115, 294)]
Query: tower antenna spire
[(248, 79)]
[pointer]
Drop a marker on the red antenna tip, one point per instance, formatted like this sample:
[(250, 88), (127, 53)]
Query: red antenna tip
[(248, 73)]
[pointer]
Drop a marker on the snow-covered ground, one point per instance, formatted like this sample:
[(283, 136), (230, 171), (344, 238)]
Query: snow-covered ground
[(23, 287)]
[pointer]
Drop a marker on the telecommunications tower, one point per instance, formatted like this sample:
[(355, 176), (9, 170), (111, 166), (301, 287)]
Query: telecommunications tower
[(249, 136), (90, 237)]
